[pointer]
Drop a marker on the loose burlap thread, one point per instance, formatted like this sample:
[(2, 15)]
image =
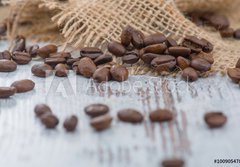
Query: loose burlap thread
[(96, 22)]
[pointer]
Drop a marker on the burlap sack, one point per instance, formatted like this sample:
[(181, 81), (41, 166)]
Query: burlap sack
[(96, 22)]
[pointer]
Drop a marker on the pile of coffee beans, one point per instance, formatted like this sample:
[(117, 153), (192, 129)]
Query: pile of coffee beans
[(234, 73), (50, 121), (162, 53), (219, 22)]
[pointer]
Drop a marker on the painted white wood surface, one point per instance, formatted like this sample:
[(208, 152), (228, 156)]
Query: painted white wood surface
[(24, 142)]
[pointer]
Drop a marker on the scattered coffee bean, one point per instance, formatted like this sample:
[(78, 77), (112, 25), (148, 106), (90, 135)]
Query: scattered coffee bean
[(70, 123), (86, 67), (102, 122), (91, 52), (234, 74), (42, 70), (183, 62), (116, 49), (196, 45), (200, 65), (126, 36), (130, 115), (156, 38), (49, 120), (5, 55), (219, 21), (24, 85), (173, 163), (54, 61), (6, 92), (45, 51), (215, 119), (130, 57), (206, 56), (170, 42), (156, 48), (61, 70), (208, 46), (19, 44), (189, 74), (104, 58), (102, 74), (137, 39), (161, 115), (164, 63), (237, 34), (179, 51), (119, 73), (32, 50), (7, 66), (95, 110), (21, 57), (41, 109), (227, 33)]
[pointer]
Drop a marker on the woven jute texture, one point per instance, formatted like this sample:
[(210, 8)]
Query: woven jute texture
[(96, 22)]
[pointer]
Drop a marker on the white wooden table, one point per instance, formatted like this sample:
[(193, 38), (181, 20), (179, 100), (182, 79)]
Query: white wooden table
[(24, 142)]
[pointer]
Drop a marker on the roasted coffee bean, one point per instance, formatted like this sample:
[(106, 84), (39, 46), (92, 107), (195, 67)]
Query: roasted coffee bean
[(65, 55), (126, 36), (75, 67), (70, 123), (104, 58), (219, 22), (119, 73), (32, 50), (3, 28), (19, 44), (164, 63), (148, 57), (200, 64), (170, 42), (6, 92), (42, 70), (24, 85), (95, 110), (234, 74), (130, 58), (102, 122), (156, 38), (41, 109), (130, 115), (173, 163), (196, 19), (161, 115), (206, 56), (189, 74), (45, 51), (5, 55), (215, 119), (238, 64), (208, 46), (156, 48), (61, 70), (137, 39), (196, 45), (49, 120), (183, 62), (179, 51), (102, 74), (227, 33), (70, 61), (237, 34), (116, 49), (86, 67), (21, 57), (54, 61), (7, 66), (91, 52)]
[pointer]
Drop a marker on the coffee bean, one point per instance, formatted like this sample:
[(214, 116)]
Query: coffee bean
[(161, 115), (179, 51), (45, 51), (206, 56), (86, 67), (156, 38), (234, 74), (3, 28), (148, 57), (7, 66), (6, 92), (19, 44), (189, 74), (227, 33), (54, 61), (130, 115), (41, 109), (102, 122), (5, 55), (91, 52), (70, 123), (156, 48), (164, 63), (208, 46), (130, 58), (215, 119), (65, 55), (116, 49), (196, 45), (49, 120), (238, 63), (70, 61), (183, 62), (95, 110), (61, 70), (32, 50), (119, 73), (170, 42), (24, 85), (200, 65), (21, 57), (196, 19), (173, 163), (42, 70), (126, 36), (104, 58), (102, 74), (219, 22), (237, 34), (137, 39)]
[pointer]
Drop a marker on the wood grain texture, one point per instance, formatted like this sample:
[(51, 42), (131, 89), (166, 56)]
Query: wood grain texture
[(24, 142)]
